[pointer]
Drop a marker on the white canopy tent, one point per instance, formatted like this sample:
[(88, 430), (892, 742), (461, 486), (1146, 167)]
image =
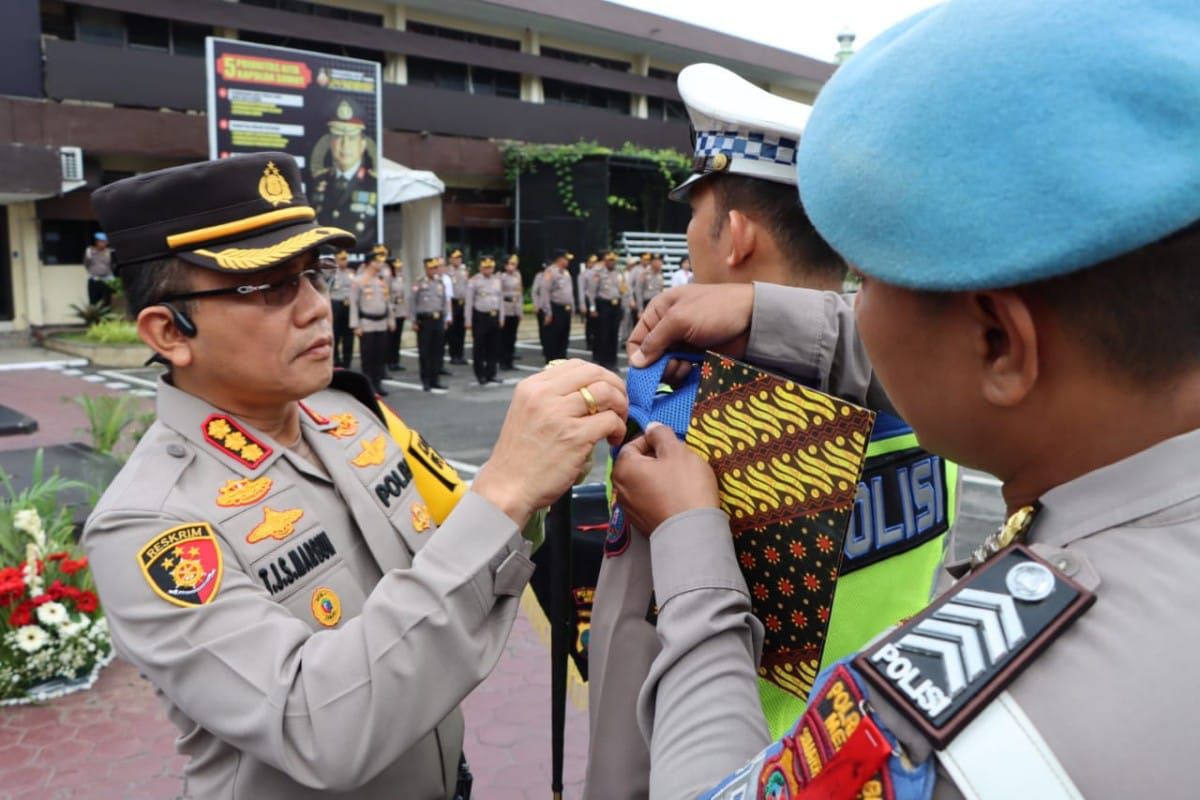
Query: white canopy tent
[(421, 231)]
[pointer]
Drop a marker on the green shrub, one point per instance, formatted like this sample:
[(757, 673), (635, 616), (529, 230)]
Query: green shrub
[(93, 313), (112, 417), (113, 331)]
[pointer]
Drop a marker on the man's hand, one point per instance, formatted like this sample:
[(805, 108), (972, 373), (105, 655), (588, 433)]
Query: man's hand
[(416, 326), (593, 313), (657, 476), (704, 317), (548, 436), (391, 326), (358, 331), (548, 318)]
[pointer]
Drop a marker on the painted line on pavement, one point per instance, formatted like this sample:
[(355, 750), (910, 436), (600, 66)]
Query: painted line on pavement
[(117, 376), (51, 365)]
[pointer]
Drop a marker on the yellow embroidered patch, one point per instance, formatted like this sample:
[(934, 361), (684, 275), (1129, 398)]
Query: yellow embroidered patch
[(243, 491), (256, 257), (347, 425), (326, 606), (231, 439), (420, 517), (373, 452), (275, 525)]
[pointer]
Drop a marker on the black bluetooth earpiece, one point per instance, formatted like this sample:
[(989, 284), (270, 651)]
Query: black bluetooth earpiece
[(182, 321)]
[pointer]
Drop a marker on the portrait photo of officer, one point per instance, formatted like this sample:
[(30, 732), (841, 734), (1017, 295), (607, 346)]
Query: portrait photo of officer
[(344, 179)]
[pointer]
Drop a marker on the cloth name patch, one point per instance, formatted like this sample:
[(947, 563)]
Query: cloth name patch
[(943, 666)]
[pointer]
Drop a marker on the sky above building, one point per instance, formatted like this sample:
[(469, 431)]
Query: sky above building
[(802, 26)]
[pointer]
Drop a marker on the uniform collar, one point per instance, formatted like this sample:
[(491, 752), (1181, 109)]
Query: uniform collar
[(231, 441), (1154, 479)]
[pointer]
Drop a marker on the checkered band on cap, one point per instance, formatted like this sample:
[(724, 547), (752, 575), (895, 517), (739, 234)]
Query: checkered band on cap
[(750, 145)]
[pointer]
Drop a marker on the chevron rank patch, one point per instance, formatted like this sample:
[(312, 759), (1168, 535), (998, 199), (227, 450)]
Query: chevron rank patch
[(942, 667)]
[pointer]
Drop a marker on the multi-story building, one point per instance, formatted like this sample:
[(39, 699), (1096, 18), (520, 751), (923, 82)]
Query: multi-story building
[(123, 81)]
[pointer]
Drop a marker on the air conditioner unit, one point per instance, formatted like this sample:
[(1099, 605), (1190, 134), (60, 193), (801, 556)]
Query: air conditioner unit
[(71, 160)]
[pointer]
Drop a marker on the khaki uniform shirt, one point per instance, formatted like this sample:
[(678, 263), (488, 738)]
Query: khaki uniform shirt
[(399, 290), (514, 290), (535, 291), (556, 288), (339, 284), (607, 288), (1101, 696), (320, 634), (821, 349), (649, 286), (370, 304), (459, 276), (428, 296), (97, 262), (484, 295), (586, 282), (635, 283)]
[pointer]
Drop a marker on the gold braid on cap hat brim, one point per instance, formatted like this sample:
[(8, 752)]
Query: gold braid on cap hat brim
[(238, 258)]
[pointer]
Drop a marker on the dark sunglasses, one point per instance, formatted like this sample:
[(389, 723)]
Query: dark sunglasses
[(278, 293)]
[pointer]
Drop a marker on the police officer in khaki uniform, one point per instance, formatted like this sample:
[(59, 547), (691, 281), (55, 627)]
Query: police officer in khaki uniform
[(399, 289), (1010, 324), (650, 282), (372, 318), (429, 307), (583, 285), (514, 295), (535, 294), (456, 334), (485, 315), (339, 295), (605, 291), (277, 557), (558, 299)]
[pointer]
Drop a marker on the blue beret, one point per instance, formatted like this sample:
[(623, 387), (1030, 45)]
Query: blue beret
[(991, 143)]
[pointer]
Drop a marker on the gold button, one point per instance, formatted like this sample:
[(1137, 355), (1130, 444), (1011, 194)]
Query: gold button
[(720, 162)]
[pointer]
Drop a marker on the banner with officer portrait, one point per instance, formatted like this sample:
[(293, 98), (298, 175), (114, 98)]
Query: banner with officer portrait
[(324, 110)]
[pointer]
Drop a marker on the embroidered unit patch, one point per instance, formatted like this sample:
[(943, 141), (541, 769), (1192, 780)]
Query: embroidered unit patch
[(183, 564), (276, 525), (243, 491), (420, 517), (326, 606), (373, 452), (225, 434)]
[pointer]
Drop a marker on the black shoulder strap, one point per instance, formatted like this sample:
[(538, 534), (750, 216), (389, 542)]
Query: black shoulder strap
[(359, 387)]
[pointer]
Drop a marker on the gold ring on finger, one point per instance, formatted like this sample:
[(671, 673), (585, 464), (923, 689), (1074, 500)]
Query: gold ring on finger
[(592, 406)]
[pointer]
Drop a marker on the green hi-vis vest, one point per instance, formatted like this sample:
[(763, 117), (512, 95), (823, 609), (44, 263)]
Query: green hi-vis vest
[(895, 545)]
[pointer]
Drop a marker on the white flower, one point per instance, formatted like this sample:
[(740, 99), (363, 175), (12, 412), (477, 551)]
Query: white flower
[(32, 578), (27, 521), (31, 638), (69, 630), (53, 614)]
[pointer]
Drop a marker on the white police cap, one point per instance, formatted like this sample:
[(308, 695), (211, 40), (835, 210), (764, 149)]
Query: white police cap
[(740, 128)]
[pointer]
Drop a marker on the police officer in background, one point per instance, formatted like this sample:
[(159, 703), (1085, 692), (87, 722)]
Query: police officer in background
[(514, 301), (747, 227), (535, 294), (456, 333), (485, 316), (650, 283), (339, 294), (310, 604), (372, 317), (583, 284), (605, 291), (557, 299), (633, 270), (399, 288), (429, 307)]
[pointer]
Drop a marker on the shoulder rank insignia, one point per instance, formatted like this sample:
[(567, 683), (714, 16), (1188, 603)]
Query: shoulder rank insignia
[(326, 606), (373, 451), (276, 525), (233, 440), (243, 491), (347, 425), (183, 564), (943, 666)]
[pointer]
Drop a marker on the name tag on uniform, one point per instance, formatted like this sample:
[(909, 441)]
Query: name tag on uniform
[(942, 667)]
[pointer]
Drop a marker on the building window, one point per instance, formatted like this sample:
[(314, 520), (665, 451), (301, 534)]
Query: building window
[(135, 31), (324, 12), (64, 240), (425, 29), (661, 74), (459, 77), (581, 58), (664, 110), (578, 94)]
